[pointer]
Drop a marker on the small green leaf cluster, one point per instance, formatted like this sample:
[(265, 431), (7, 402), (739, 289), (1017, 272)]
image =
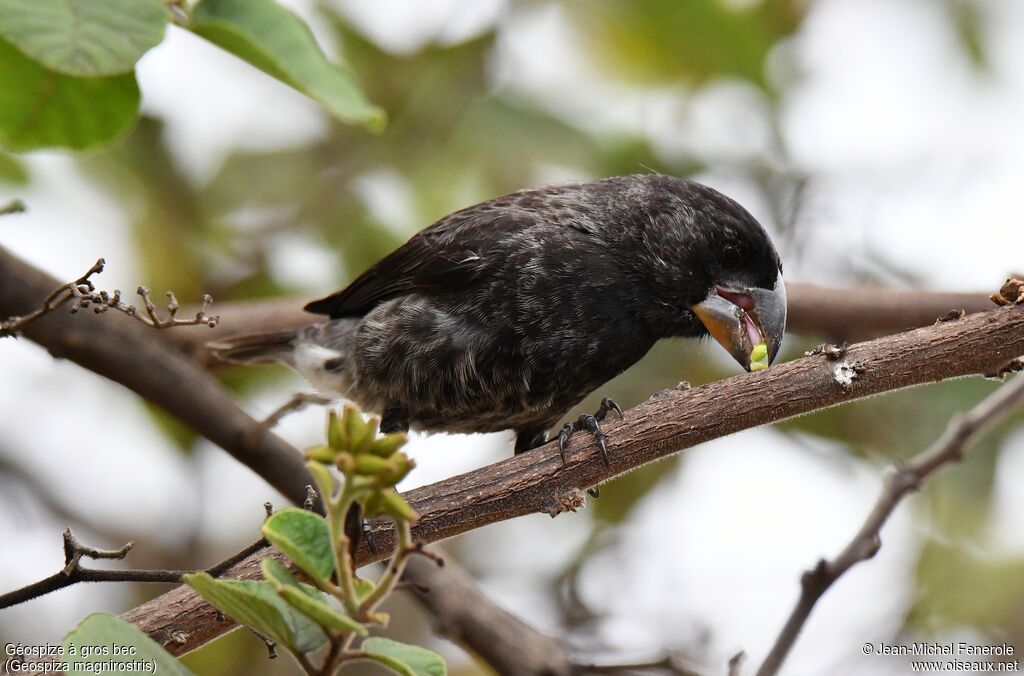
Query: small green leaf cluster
[(374, 463), (67, 67), (316, 601)]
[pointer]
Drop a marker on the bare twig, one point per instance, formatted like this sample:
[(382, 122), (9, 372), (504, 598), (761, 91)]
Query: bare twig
[(13, 207), (667, 665), (83, 294), (298, 402), (961, 433), (736, 663), (73, 572)]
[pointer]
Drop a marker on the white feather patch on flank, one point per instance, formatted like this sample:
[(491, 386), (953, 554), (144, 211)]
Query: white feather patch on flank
[(309, 362)]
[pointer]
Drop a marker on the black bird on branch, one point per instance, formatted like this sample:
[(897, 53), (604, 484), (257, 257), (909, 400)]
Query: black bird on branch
[(506, 314)]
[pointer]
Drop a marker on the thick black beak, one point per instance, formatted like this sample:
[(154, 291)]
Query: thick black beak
[(740, 319)]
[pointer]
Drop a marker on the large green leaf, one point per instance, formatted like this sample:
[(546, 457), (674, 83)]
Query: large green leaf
[(257, 605), (304, 538), (102, 638), (40, 108), (84, 38), (274, 40), (405, 659)]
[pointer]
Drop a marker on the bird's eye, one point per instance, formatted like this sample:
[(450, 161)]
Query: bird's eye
[(730, 257)]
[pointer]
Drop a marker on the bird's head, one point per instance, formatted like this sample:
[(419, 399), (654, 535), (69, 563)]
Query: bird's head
[(723, 276), (743, 315)]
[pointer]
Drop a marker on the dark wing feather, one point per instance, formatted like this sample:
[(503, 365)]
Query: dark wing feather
[(451, 254)]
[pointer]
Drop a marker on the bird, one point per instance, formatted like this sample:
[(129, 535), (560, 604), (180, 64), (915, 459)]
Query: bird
[(506, 314)]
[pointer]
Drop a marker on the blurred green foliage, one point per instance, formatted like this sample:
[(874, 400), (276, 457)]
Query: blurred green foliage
[(695, 41)]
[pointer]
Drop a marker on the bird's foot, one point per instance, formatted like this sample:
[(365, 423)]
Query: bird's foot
[(368, 535), (591, 423), (358, 529)]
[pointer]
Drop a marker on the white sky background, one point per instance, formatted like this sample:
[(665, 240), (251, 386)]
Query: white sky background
[(921, 160)]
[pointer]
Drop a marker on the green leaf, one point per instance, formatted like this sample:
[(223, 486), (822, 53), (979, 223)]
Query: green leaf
[(323, 478), (276, 41), (119, 642), (304, 538), (84, 38), (308, 600), (257, 605), (41, 109), (363, 588), (276, 574), (320, 612), (405, 659)]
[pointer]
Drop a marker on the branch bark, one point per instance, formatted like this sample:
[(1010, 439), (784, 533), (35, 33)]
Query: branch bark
[(669, 422), (952, 446), (835, 314)]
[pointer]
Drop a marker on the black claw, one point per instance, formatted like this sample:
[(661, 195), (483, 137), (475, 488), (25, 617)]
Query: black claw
[(607, 405), (563, 438), (591, 424), (368, 536), (594, 492), (602, 443)]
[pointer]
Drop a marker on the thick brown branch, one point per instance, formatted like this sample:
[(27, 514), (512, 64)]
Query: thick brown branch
[(669, 422), (833, 313), (839, 314), (961, 433)]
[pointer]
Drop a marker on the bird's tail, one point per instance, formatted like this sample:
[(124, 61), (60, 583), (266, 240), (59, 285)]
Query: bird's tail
[(258, 348)]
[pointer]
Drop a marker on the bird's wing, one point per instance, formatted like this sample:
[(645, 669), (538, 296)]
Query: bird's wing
[(451, 254)]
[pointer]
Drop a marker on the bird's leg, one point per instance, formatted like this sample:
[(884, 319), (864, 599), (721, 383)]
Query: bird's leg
[(395, 418), (529, 439)]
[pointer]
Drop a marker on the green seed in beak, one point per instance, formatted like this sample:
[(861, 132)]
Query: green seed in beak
[(759, 357), (759, 353)]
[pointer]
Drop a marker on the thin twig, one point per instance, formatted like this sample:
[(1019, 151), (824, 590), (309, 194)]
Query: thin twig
[(298, 402), (83, 294), (666, 664), (73, 572), (736, 663), (961, 433), (13, 207)]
